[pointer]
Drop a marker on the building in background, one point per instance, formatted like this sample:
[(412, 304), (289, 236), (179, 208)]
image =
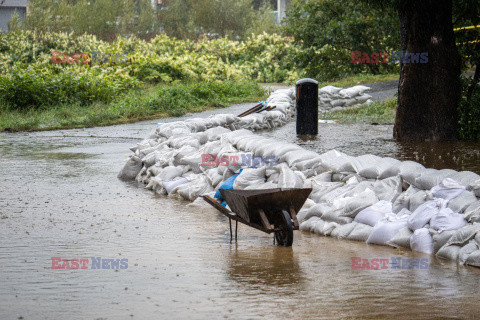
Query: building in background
[(7, 8), (280, 13)]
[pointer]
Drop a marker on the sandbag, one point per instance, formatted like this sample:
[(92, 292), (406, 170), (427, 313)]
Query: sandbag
[(169, 173), (322, 188), (360, 163), (401, 239), (335, 216), (446, 220), (422, 241), (296, 156), (466, 251), (171, 185), (432, 177), (474, 259), (334, 159), (441, 238), (250, 177), (410, 171), (288, 178), (466, 178), (315, 211), (343, 231), (463, 235), (403, 200), (130, 169), (383, 168), (388, 189), (190, 191), (423, 214), (325, 228), (360, 232), (472, 212), (308, 225), (449, 252), (418, 199), (353, 205), (448, 189), (462, 202), (385, 230), (371, 215)]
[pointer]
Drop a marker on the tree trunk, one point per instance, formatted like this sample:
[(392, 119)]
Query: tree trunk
[(428, 93)]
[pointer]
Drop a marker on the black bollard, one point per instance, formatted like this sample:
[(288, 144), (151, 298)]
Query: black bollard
[(307, 107)]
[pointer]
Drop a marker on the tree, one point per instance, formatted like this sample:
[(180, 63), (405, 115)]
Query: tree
[(428, 93)]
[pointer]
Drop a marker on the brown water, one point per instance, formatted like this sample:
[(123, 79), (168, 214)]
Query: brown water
[(59, 197)]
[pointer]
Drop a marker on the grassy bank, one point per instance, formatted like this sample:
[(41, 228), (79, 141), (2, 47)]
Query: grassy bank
[(362, 78), (137, 104), (376, 112)]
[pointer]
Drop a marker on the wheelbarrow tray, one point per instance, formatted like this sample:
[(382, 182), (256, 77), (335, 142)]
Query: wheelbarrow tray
[(247, 203)]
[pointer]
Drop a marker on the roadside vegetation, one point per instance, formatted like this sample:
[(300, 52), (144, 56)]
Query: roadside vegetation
[(378, 112)]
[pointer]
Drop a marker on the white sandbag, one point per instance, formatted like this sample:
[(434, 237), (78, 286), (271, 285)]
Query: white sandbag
[(250, 177), (388, 189), (334, 159), (362, 98), (462, 202), (464, 235), (171, 172), (278, 150), (401, 239), (214, 177), (308, 225), (418, 199), (448, 189), (371, 215), (308, 204), (335, 216), (449, 252), (315, 211), (403, 200), (288, 178), (322, 188), (234, 136), (383, 168), (333, 195), (319, 178), (472, 212), (385, 230), (446, 220), (171, 185), (474, 259), (353, 205), (466, 178), (422, 241), (295, 156), (311, 163), (440, 239), (432, 177), (466, 251), (266, 185), (190, 191), (354, 91), (131, 169), (360, 232), (342, 232), (410, 171), (325, 228), (423, 214), (360, 163), (329, 90)]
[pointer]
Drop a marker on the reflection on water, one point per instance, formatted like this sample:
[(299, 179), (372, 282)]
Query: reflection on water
[(59, 197), (272, 266), (359, 139)]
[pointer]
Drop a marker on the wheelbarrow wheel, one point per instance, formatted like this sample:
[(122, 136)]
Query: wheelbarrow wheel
[(284, 236)]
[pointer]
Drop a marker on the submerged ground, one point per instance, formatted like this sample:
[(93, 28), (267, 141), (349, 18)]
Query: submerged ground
[(59, 197)]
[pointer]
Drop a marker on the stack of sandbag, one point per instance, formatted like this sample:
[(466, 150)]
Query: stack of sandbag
[(367, 198), (332, 98)]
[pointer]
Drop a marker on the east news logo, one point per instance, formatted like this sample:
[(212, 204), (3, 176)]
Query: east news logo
[(93, 263)]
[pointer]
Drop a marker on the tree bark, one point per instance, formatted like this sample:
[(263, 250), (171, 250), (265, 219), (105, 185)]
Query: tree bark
[(428, 93)]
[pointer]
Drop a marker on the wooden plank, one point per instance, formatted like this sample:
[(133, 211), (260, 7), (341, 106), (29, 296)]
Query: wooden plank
[(264, 220), (293, 214), (251, 110)]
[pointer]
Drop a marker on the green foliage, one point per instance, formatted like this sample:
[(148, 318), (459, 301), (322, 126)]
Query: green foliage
[(138, 104), (328, 31), (104, 18), (237, 19), (469, 112), (379, 112)]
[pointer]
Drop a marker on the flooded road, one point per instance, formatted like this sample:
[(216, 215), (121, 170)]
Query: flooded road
[(59, 197)]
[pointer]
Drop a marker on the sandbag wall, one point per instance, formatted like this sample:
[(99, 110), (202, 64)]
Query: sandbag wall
[(332, 98), (367, 198)]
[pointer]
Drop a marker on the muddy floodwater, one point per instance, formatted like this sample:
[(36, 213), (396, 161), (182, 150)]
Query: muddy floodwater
[(59, 197)]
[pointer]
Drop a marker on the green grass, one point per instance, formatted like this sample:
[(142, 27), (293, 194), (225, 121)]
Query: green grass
[(376, 112), (360, 79), (139, 104)]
